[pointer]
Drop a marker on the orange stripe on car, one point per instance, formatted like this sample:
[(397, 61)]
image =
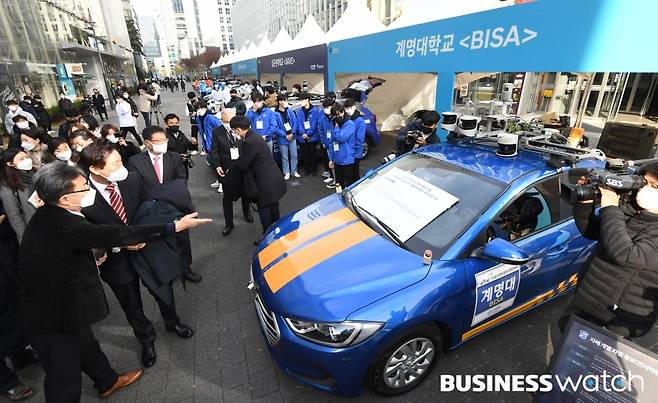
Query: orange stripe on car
[(304, 259), (303, 234)]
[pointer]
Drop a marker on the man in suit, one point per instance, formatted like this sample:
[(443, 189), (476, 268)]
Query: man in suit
[(62, 295), (157, 166), (226, 151), (119, 194), (255, 155)]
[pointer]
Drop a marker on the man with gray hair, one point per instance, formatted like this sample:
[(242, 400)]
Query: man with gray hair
[(62, 295), (225, 152)]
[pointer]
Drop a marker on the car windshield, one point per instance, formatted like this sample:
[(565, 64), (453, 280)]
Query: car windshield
[(423, 203)]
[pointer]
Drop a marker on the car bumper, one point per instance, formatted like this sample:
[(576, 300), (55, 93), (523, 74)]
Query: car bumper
[(335, 370)]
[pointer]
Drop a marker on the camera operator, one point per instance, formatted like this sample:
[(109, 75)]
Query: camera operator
[(619, 289), (409, 137), (178, 141)]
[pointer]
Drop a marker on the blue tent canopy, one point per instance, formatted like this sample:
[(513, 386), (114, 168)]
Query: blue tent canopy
[(543, 36)]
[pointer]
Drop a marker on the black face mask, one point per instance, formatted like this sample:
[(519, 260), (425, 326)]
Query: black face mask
[(426, 130), (174, 128), (340, 119)]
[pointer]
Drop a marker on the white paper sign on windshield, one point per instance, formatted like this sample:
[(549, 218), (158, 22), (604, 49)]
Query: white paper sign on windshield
[(403, 201)]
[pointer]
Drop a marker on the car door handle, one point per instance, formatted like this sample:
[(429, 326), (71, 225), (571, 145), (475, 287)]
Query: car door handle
[(556, 250)]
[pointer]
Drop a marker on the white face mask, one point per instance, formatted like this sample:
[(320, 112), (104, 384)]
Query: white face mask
[(227, 126), (327, 111), (201, 112), (28, 146), (118, 175), (25, 165), (112, 138), (97, 133), (23, 125), (63, 155), (13, 108), (78, 148), (159, 148), (88, 199), (647, 198), (350, 111)]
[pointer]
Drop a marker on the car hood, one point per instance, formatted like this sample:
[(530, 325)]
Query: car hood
[(323, 263)]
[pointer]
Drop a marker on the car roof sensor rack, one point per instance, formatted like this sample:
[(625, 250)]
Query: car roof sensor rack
[(560, 154)]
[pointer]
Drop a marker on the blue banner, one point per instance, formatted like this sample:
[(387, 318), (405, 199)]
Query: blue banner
[(245, 67)]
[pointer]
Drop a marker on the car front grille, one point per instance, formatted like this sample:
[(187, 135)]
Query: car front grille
[(267, 321)]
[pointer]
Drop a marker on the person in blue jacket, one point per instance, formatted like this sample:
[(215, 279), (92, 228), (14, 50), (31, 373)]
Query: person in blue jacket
[(307, 121), (324, 128), (286, 136), (357, 117), (261, 118), (341, 152), (207, 122)]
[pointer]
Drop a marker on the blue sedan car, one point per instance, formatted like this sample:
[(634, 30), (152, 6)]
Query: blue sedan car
[(371, 286)]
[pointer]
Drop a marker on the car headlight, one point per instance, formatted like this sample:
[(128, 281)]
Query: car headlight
[(340, 334)]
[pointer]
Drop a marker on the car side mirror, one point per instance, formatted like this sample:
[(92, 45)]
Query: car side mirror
[(502, 251)]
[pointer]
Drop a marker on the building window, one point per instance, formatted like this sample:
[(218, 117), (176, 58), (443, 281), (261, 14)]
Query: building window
[(228, 20), (221, 19), (232, 47), (221, 11), (228, 10), (223, 37), (222, 28)]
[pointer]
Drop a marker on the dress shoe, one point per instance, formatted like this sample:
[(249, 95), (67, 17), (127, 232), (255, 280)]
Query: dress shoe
[(123, 381), (181, 330), (192, 276), (249, 218), (148, 355), (18, 392), (227, 230)]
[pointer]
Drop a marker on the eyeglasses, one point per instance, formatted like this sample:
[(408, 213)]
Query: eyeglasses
[(78, 191)]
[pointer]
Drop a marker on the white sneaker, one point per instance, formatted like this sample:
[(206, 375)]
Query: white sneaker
[(216, 184), (202, 153), (194, 152), (328, 180), (296, 175), (326, 174), (220, 189), (286, 177)]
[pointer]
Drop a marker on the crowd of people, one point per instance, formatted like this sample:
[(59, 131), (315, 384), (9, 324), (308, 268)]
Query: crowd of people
[(77, 203)]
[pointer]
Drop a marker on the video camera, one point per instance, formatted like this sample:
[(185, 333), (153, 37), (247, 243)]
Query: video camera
[(187, 159), (621, 181), (412, 136)]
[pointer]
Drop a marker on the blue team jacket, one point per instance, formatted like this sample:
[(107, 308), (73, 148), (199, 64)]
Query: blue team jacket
[(269, 123), (357, 118), (206, 124), (324, 128), (280, 130), (343, 138), (312, 120)]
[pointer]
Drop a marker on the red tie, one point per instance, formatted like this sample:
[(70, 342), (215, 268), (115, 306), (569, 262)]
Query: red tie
[(156, 165), (117, 203)]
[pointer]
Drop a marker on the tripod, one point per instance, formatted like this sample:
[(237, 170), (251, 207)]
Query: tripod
[(158, 113)]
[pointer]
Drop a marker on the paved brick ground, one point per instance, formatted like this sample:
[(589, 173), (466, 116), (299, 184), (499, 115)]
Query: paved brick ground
[(227, 359)]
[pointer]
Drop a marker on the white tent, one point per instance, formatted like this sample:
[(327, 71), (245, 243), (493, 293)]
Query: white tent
[(310, 34), (421, 11), (357, 20), (281, 43)]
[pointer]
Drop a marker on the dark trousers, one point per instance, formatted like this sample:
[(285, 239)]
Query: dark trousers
[(194, 131), (310, 157), (102, 111), (131, 129), (325, 161), (8, 378), (227, 206), (130, 299), (64, 357), (345, 175), (147, 118), (268, 214), (167, 309), (357, 169), (184, 248)]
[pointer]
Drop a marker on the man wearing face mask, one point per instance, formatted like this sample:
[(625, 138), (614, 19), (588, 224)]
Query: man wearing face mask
[(62, 295), (324, 129), (262, 119), (207, 122), (178, 141), (356, 116), (426, 125), (619, 289), (72, 117), (13, 111), (307, 122), (157, 166), (341, 150), (119, 194), (236, 103), (226, 151)]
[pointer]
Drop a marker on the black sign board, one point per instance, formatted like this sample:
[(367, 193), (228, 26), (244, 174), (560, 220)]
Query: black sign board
[(602, 366), (306, 60)]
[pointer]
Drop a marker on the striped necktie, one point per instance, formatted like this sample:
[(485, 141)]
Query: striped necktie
[(117, 203)]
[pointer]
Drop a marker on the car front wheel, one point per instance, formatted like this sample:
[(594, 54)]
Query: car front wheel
[(407, 362)]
